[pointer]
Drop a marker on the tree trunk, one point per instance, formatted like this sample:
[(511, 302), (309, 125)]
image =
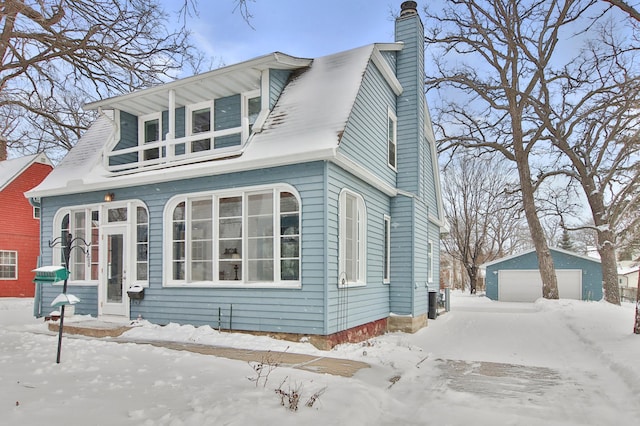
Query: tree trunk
[(609, 264), (606, 240), (636, 329), (545, 261), (472, 271)]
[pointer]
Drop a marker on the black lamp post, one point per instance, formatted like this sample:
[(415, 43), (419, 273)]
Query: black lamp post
[(66, 251)]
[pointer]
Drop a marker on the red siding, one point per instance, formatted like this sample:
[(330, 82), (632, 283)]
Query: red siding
[(19, 231)]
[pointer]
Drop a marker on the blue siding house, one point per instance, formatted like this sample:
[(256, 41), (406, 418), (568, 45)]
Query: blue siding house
[(281, 195), (517, 278)]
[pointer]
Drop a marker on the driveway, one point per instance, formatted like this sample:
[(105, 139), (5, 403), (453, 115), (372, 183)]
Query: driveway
[(522, 363)]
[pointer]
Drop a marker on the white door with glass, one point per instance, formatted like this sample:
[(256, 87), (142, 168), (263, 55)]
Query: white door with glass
[(114, 300)]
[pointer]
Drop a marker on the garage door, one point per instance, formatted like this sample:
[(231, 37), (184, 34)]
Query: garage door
[(526, 285)]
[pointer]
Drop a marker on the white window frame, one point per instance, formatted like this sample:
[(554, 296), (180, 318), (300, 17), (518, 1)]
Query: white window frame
[(169, 281), (95, 250), (189, 109), (430, 262), (359, 244), (386, 264), (147, 146), (392, 141), (244, 112), (36, 212), (15, 265)]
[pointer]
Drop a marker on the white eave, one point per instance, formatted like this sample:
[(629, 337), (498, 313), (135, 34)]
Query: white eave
[(218, 83)]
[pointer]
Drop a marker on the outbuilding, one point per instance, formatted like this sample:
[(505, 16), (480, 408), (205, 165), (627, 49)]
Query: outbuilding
[(517, 278)]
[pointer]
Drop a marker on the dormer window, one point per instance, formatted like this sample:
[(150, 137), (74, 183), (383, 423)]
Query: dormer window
[(199, 120), (150, 128), (217, 128), (254, 104)]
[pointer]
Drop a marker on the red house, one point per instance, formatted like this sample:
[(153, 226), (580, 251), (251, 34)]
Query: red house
[(19, 222)]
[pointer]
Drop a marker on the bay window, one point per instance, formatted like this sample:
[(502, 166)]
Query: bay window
[(244, 237)]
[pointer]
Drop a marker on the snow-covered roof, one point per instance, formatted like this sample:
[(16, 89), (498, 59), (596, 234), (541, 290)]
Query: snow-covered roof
[(559, 250), (305, 125), (10, 169), (214, 84), (626, 270)]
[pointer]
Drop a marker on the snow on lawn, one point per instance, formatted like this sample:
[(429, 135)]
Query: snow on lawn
[(550, 362)]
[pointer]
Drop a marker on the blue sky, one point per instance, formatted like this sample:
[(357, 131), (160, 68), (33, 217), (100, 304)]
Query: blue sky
[(296, 27)]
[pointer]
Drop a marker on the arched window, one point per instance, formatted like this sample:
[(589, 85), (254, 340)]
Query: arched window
[(85, 222), (243, 237)]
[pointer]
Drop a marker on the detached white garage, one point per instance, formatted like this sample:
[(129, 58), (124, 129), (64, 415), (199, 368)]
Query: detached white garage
[(517, 279)]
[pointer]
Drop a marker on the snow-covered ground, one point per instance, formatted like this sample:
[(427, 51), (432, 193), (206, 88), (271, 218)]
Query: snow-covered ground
[(484, 363)]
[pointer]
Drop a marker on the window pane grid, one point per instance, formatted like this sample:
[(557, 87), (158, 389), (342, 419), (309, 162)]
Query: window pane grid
[(230, 240), (352, 236), (243, 245), (8, 264), (142, 244)]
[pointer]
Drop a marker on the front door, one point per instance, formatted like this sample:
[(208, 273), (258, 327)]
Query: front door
[(113, 285)]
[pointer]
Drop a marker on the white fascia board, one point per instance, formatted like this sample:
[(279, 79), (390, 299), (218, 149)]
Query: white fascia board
[(188, 171), (364, 174), (275, 60), (386, 72)]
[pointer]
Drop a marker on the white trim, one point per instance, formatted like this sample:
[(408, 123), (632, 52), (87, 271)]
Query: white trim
[(365, 174), (386, 273), (102, 209), (189, 110), (522, 253), (15, 277), (431, 262), (391, 116), (215, 195), (360, 239), (386, 71), (244, 112)]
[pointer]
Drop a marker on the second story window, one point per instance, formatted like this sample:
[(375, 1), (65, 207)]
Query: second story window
[(210, 129), (150, 128), (199, 121), (392, 125)]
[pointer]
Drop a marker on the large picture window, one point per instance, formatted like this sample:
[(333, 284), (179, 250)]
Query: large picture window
[(245, 237), (353, 241), (8, 265)]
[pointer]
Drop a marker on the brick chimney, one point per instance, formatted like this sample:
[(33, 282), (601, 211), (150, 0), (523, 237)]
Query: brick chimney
[(3, 148)]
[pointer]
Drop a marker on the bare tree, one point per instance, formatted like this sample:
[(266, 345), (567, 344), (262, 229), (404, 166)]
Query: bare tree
[(487, 82), (57, 54), (636, 328), (591, 109), (626, 7), (484, 219)]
